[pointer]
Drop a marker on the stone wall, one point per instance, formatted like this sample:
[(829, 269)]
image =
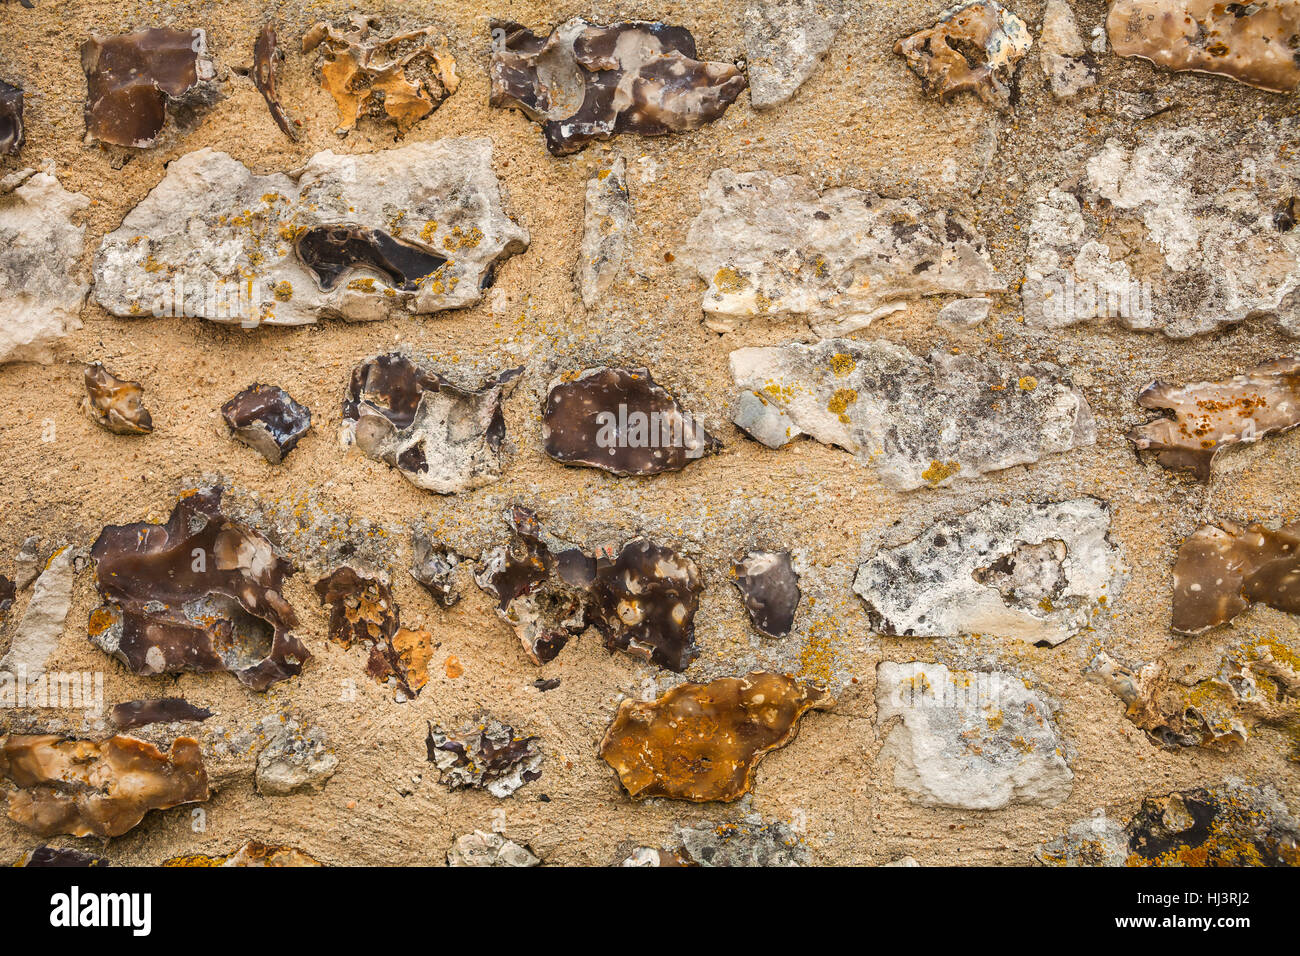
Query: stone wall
[(871, 325)]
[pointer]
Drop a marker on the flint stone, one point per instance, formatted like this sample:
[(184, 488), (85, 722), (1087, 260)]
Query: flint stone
[(916, 421), (785, 42), (190, 246), (772, 245), (967, 740)]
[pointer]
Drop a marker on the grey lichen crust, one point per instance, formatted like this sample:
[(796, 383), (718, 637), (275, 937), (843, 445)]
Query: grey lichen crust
[(1037, 572), (773, 245), (969, 740), (785, 42), (417, 229), (1162, 236), (606, 233), (41, 290), (916, 421)]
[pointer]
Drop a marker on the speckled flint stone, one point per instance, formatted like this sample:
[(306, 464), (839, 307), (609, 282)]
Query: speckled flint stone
[(970, 740), (785, 41), (41, 293), (1032, 571), (772, 245), (916, 421), (216, 241)]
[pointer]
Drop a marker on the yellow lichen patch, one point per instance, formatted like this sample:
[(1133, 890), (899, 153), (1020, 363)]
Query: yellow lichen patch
[(362, 285), (842, 364), (729, 281), (840, 402), (1027, 383), (283, 291), (940, 471)]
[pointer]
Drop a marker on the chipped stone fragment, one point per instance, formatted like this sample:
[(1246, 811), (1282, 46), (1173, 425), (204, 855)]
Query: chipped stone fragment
[(11, 119), (133, 79), (199, 593), (785, 42), (1252, 43), (644, 601), (974, 47), (773, 245), (83, 788), (622, 421), (1206, 417), (60, 857), (114, 403), (433, 567), (441, 437), (916, 421), (36, 637), (973, 740), (364, 612), (1232, 824), (585, 82), (163, 710), (294, 760), (41, 288), (702, 742), (965, 313), (251, 853), (651, 856), (400, 79), (267, 419), (484, 755), (417, 229), (1069, 67), (751, 842), (1037, 572), (267, 57), (1222, 570), (1256, 685), (489, 849), (606, 232), (1161, 236), (541, 586), (27, 562), (769, 589)]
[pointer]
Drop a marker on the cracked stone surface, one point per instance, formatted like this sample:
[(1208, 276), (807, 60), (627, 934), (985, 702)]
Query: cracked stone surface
[(442, 437), (606, 233), (1163, 236), (916, 421), (41, 288), (785, 42), (585, 81), (1037, 572), (971, 740), (417, 229), (484, 755), (773, 245)]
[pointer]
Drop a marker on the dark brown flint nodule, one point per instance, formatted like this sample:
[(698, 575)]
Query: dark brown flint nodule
[(769, 589), (199, 593), (1223, 570), (8, 591), (363, 611), (161, 710), (1206, 417), (83, 788), (641, 599), (11, 119), (622, 421), (486, 755), (974, 47), (442, 437), (703, 742), (331, 252), (132, 77), (267, 420), (115, 404), (267, 57), (585, 82), (50, 856)]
